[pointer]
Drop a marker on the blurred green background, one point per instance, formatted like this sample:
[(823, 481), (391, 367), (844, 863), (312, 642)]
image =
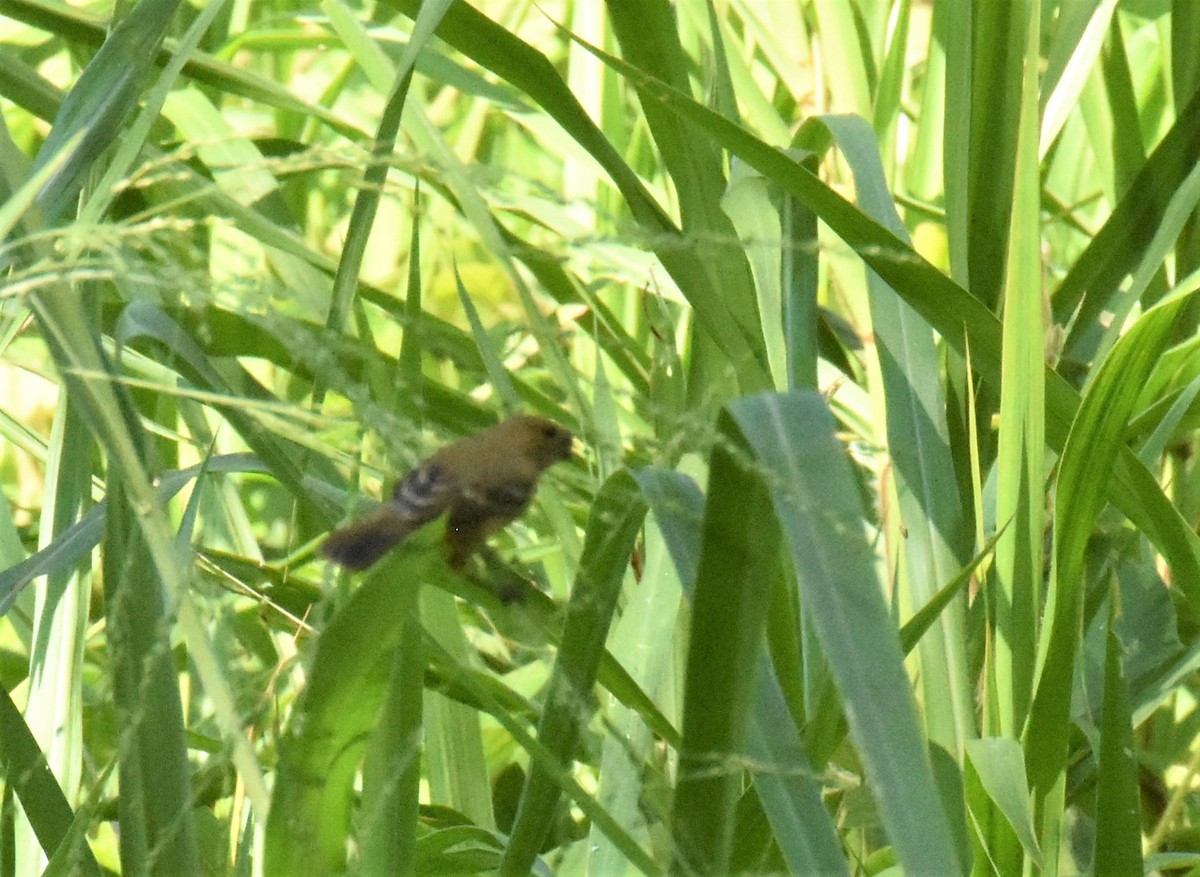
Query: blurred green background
[(875, 321)]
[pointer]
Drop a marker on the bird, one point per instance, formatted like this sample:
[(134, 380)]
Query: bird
[(485, 481)]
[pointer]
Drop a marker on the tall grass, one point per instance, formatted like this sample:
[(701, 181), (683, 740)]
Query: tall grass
[(875, 321)]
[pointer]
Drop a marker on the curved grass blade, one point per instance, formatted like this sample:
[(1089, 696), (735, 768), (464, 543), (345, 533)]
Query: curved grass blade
[(1092, 446)]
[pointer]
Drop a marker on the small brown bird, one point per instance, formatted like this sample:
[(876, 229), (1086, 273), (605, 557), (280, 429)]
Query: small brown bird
[(485, 481)]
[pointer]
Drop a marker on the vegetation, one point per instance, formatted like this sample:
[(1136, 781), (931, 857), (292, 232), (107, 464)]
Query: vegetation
[(876, 324)]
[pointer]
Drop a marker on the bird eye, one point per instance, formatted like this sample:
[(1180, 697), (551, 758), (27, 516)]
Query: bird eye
[(550, 430)]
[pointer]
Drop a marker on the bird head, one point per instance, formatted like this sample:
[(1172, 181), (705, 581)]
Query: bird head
[(544, 441)]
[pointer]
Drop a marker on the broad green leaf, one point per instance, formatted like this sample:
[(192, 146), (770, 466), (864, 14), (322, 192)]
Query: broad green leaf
[(783, 778), (814, 498), (738, 566), (999, 764)]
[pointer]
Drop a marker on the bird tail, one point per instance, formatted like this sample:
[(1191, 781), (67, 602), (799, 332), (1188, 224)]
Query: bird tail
[(360, 544)]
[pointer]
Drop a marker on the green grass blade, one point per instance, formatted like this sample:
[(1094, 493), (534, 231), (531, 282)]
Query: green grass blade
[(143, 321), (645, 641), (1129, 150), (845, 61), (815, 499), (549, 763), (787, 786), (1093, 340), (923, 618), (800, 288), (101, 100), (747, 203), (157, 836), (650, 41), (497, 373), (408, 362), (387, 828), (309, 823), (367, 203), (1020, 461), (520, 64), (1000, 768), (87, 31), (1076, 45), (454, 749), (613, 525), (1117, 247), (54, 701), (85, 534), (737, 568), (953, 313), (953, 28), (890, 91), (21, 201), (997, 40), (1091, 447), (1118, 847), (42, 799), (783, 779), (919, 445)]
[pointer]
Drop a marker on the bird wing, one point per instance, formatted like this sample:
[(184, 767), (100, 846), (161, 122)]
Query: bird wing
[(424, 493), (478, 511), (511, 498), (503, 501)]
